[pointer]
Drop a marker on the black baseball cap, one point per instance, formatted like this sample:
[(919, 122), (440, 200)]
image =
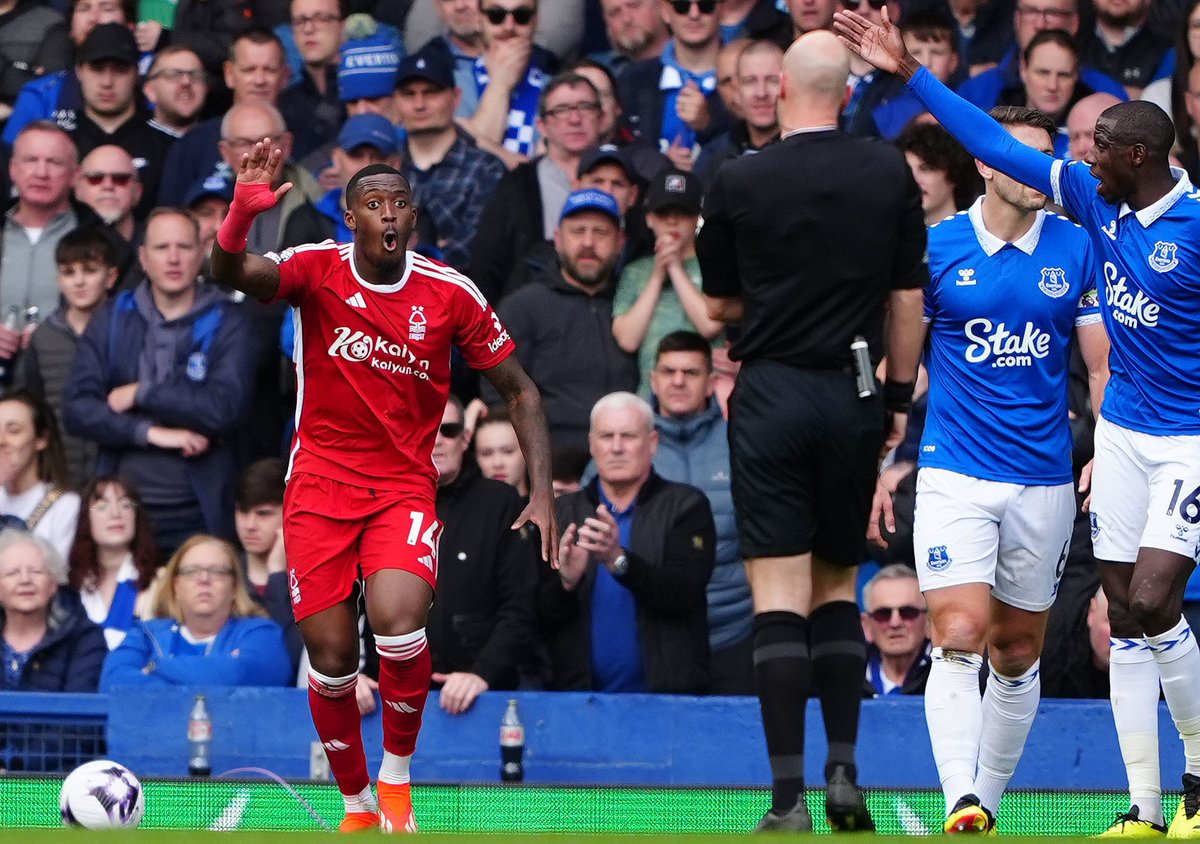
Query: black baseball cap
[(108, 42), (674, 189), (593, 157), (431, 65)]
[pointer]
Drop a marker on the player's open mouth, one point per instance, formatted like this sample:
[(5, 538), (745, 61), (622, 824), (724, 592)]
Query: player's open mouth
[(390, 241)]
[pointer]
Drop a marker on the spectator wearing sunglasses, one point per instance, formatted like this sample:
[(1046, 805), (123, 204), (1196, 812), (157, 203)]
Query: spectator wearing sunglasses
[(481, 624), (510, 77), (108, 184), (896, 627), (113, 110), (672, 101)]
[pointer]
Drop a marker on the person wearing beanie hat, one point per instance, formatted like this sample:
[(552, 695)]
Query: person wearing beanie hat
[(367, 75), (660, 293)]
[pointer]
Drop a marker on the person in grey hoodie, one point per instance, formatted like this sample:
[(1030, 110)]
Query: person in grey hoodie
[(162, 379), (693, 448)]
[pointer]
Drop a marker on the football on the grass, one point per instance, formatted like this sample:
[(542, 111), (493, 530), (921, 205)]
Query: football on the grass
[(101, 795)]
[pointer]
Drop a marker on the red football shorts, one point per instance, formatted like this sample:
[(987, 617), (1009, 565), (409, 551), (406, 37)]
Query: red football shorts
[(331, 530)]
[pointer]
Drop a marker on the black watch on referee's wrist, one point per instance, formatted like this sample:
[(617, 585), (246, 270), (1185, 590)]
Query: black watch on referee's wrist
[(898, 395)]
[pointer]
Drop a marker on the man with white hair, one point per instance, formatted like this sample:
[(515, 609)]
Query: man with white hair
[(626, 609)]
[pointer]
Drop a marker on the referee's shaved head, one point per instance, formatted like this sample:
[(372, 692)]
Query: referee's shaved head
[(816, 67)]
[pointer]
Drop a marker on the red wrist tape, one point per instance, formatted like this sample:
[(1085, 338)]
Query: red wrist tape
[(248, 202)]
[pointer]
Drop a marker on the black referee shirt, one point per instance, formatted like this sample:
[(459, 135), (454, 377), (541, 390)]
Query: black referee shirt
[(813, 233)]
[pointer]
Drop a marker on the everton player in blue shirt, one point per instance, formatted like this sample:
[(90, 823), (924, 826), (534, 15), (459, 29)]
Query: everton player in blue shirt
[(1143, 218), (1009, 284)]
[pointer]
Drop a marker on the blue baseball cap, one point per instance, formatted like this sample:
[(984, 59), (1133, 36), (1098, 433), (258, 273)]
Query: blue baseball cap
[(368, 68), (218, 183), (591, 199), (371, 130)]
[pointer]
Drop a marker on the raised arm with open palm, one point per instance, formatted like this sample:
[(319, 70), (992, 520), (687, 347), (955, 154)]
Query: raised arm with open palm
[(881, 45)]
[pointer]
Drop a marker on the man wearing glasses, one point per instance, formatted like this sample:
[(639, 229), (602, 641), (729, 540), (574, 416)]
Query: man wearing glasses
[(524, 208), (897, 632), (175, 87), (318, 29), (671, 101), (510, 76), (1031, 17)]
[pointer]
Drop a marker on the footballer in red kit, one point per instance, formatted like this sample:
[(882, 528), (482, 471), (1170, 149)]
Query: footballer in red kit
[(375, 327)]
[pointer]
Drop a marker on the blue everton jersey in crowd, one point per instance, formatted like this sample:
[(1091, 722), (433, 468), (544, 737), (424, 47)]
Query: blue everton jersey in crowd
[(1001, 316), (1150, 262), (1151, 300)]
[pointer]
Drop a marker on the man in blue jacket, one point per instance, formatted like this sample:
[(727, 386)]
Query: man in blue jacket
[(163, 376), (693, 448)]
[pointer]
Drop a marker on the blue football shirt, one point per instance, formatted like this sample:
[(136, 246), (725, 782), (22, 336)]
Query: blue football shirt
[(1149, 261), (1001, 317), (1151, 299)]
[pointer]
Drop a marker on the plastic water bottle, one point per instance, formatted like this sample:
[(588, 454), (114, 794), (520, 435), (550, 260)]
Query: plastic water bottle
[(512, 745), (199, 737), (11, 319)]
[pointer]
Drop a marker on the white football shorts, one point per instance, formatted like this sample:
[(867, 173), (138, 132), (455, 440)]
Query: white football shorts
[(1145, 493), (1012, 537)]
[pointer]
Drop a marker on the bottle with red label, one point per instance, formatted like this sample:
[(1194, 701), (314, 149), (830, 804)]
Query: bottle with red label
[(512, 745), (199, 737)]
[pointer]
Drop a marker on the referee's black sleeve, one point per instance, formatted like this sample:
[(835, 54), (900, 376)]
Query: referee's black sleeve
[(716, 245), (910, 267)]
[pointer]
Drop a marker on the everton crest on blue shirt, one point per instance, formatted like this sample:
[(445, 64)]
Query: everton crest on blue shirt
[(1001, 316)]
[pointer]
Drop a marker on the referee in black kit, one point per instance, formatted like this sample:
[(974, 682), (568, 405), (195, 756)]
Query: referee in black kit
[(808, 244)]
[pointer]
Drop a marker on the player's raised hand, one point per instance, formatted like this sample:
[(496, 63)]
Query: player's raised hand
[(256, 173), (881, 45)]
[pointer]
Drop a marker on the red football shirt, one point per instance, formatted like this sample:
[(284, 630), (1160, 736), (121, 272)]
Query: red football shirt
[(373, 362)]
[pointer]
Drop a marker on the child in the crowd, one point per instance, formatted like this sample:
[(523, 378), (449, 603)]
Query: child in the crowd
[(661, 293), (258, 515), (87, 270)]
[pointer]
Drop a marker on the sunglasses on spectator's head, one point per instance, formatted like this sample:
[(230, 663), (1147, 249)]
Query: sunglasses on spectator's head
[(874, 4), (883, 615), (521, 15), (450, 430), (706, 7), (118, 179)]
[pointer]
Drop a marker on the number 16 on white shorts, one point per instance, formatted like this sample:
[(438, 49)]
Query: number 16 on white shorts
[(1145, 493)]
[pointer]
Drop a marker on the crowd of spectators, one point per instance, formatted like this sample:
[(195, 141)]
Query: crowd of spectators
[(559, 153)]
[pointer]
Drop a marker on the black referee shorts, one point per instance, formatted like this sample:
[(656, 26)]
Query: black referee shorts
[(804, 450)]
